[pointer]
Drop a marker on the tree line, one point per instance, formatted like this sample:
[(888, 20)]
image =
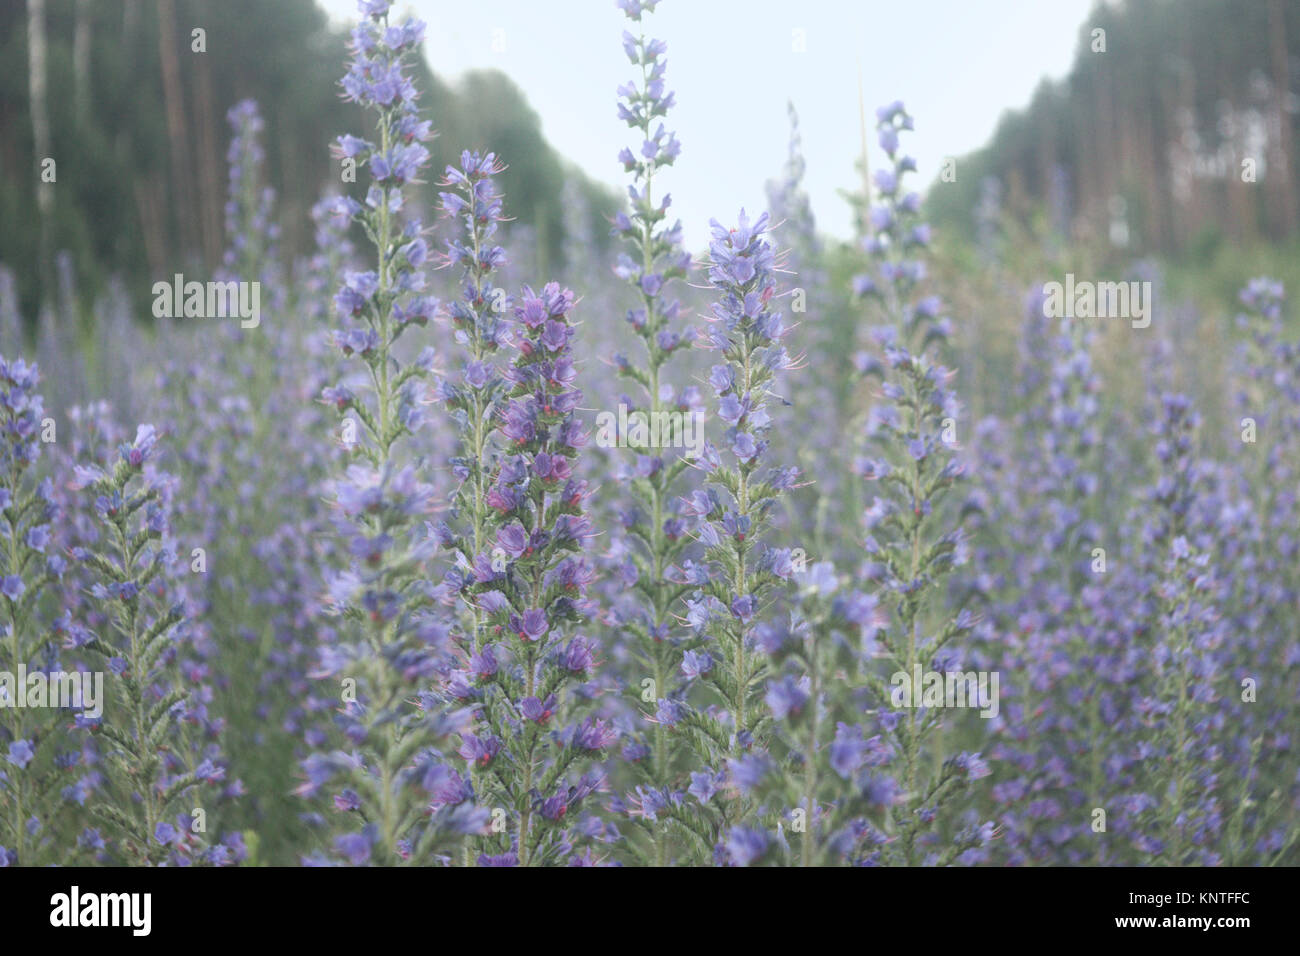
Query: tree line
[(128, 101)]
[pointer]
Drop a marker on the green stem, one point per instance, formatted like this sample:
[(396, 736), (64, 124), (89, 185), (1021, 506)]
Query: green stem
[(810, 770)]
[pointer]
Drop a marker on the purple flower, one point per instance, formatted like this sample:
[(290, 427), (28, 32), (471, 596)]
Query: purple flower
[(785, 697), (594, 734), (746, 845), (356, 847), (21, 753)]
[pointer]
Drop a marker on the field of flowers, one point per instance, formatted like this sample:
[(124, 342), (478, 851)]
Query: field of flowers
[(417, 557)]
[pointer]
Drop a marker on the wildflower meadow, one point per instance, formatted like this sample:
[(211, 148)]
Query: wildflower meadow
[(450, 542)]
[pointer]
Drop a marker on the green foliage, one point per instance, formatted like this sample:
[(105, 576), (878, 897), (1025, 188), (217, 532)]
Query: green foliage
[(153, 195), (1155, 111)]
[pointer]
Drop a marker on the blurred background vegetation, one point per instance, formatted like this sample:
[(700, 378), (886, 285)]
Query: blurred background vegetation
[(1136, 153), (1128, 167), (140, 138), (1146, 146)]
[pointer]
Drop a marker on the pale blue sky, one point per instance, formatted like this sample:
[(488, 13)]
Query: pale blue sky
[(956, 64)]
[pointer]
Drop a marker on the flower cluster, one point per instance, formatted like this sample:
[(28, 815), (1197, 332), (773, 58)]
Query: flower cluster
[(1170, 807), (529, 753), (392, 640), (911, 545), (652, 534), (250, 226), (829, 789), (160, 754), (1040, 514), (32, 761), (741, 575)]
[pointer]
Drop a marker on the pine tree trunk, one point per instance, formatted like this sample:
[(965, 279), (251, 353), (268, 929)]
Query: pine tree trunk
[(210, 176), (40, 136), (81, 60), (176, 129), (1285, 178)]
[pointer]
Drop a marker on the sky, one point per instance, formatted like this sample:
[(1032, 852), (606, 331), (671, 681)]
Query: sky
[(735, 64)]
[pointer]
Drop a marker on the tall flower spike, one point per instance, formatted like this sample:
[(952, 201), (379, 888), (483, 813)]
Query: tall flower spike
[(155, 767), (827, 386), (1168, 788), (1041, 501), (530, 751), (393, 642), (653, 536), (1268, 401), (743, 575), (912, 543), (29, 737), (480, 326), (252, 231)]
